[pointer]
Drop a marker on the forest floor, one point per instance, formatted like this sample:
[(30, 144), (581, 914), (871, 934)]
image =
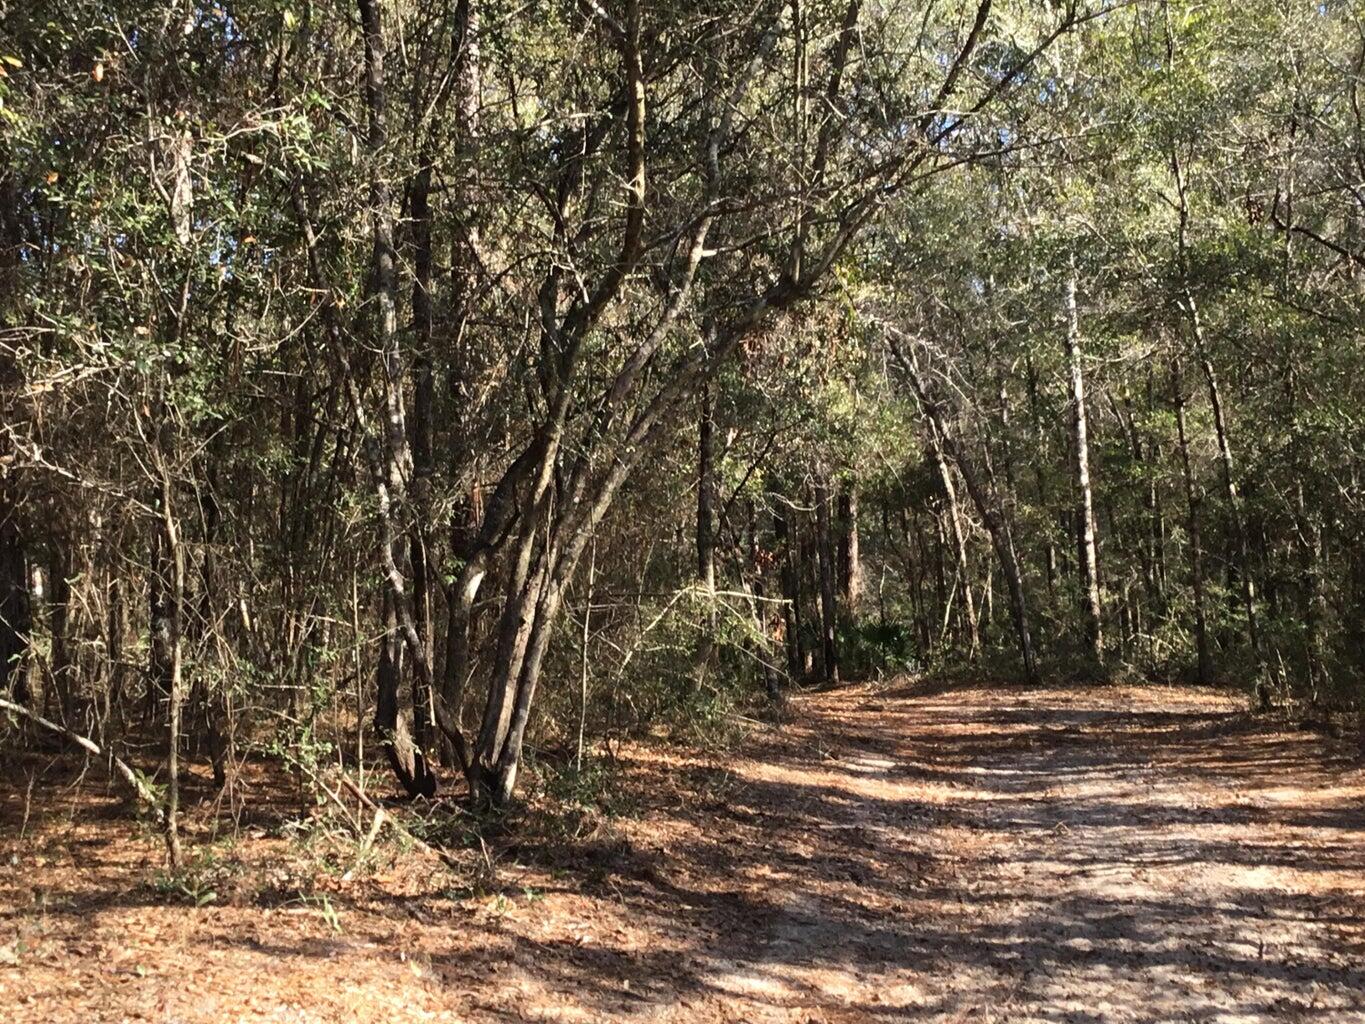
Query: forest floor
[(899, 854)]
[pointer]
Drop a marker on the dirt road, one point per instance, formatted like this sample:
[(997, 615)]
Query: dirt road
[(1063, 856), (1052, 855)]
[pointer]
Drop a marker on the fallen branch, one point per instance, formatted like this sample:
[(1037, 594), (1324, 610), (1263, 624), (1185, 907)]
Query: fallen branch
[(381, 818), (120, 767)]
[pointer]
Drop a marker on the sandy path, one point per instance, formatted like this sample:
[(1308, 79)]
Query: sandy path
[(1052, 855), (1072, 856)]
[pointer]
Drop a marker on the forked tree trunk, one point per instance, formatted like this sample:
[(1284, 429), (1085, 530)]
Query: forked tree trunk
[(959, 536), (557, 496), (1002, 536)]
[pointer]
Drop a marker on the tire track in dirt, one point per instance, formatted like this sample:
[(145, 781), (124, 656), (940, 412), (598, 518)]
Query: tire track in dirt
[(1058, 855), (1168, 875)]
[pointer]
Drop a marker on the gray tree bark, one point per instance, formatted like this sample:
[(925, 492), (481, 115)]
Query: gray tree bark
[(1085, 507)]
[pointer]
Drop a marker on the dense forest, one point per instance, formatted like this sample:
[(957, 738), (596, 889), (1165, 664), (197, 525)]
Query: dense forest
[(452, 387)]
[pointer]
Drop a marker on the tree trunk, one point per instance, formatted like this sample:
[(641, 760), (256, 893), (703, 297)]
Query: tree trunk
[(1157, 518), (964, 572), (583, 669), (706, 535), (420, 439), (783, 533), (1242, 556), (829, 612), (460, 619), (62, 669), (174, 608), (14, 608), (1085, 508), (850, 560), (1314, 598), (1144, 537), (1039, 471), (771, 681), (706, 494), (940, 571), (1193, 500), (400, 610), (159, 607), (116, 630), (404, 757), (914, 541), (1247, 586)]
